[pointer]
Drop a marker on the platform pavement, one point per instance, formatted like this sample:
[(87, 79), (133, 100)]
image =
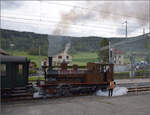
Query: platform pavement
[(124, 81)]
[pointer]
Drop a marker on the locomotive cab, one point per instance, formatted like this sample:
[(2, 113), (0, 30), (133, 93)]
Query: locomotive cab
[(100, 72)]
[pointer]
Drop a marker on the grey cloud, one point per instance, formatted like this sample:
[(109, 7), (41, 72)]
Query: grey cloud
[(10, 4)]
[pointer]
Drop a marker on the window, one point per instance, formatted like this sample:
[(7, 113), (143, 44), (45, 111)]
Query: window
[(59, 57), (67, 57), (3, 69), (20, 69), (119, 62)]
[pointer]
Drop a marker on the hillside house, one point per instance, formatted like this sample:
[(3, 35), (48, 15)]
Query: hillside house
[(118, 57), (61, 57), (3, 52)]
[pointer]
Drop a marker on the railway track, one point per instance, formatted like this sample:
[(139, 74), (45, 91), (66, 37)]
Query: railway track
[(22, 98), (139, 89), (30, 97)]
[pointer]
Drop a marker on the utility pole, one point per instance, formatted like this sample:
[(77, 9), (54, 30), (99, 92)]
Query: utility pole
[(126, 28), (39, 49), (132, 66), (39, 64), (143, 31), (149, 16), (110, 53)]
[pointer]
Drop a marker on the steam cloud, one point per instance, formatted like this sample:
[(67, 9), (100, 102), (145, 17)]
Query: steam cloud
[(105, 10), (67, 48), (118, 91)]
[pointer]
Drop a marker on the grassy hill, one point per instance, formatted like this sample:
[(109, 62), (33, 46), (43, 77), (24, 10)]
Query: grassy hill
[(29, 42)]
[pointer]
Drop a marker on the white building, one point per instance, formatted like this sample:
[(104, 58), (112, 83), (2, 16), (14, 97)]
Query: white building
[(61, 57), (118, 57)]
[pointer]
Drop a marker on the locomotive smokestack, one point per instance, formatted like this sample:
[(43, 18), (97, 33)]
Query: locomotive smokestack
[(50, 62)]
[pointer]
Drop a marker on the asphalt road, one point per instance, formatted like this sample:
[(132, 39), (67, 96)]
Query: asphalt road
[(84, 105)]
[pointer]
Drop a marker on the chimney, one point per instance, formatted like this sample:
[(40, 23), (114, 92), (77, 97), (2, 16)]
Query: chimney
[(50, 62)]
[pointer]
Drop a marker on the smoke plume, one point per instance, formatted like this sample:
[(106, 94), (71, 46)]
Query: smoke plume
[(67, 48), (138, 11)]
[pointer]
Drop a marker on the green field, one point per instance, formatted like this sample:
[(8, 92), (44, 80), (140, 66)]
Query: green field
[(81, 58), (34, 58)]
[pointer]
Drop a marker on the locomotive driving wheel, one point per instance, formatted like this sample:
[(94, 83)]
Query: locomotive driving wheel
[(63, 90)]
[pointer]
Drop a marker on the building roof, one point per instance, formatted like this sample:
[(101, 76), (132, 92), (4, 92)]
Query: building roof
[(3, 52), (116, 51), (62, 53), (4, 58)]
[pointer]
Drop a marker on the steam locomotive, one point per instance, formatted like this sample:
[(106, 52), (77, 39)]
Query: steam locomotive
[(65, 81)]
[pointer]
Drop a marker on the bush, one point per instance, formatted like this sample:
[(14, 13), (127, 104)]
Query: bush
[(31, 71)]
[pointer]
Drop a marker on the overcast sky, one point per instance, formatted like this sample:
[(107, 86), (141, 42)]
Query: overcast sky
[(76, 18)]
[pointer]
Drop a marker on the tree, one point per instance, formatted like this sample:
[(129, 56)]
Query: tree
[(104, 54), (147, 42)]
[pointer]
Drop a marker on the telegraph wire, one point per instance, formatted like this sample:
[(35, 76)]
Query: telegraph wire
[(60, 27), (138, 18), (79, 30), (56, 22)]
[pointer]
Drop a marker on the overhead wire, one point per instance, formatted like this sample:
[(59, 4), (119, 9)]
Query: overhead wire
[(129, 40), (52, 21), (102, 30), (74, 25), (95, 32), (54, 26), (58, 22), (94, 9)]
